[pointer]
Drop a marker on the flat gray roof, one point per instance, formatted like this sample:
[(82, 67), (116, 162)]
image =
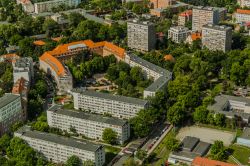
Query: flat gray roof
[(108, 96), (246, 133), (79, 144), (157, 84), (8, 98), (189, 143), (217, 27), (88, 116), (144, 23)]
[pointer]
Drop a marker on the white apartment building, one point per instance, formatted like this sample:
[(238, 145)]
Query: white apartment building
[(10, 112), (141, 35), (103, 103), (206, 15), (41, 7), (244, 3), (26, 5), (52, 66), (242, 16), (89, 125), (160, 76), (58, 149), (216, 37), (23, 67), (178, 34)]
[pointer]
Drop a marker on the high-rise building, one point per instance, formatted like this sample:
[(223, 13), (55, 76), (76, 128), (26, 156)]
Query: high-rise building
[(87, 124), (103, 103), (178, 34), (185, 17), (58, 149), (141, 35), (10, 111), (216, 37), (206, 15)]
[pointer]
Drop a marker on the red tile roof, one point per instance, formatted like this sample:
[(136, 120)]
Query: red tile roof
[(201, 161), (186, 13), (196, 36), (241, 11), (19, 86), (10, 57), (169, 58), (39, 43)]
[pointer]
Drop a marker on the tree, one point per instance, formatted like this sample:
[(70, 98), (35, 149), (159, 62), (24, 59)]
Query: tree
[(73, 161), (176, 114), (141, 154), (220, 120), (200, 114), (109, 136), (4, 142), (218, 151), (172, 144), (88, 163), (130, 162), (238, 73)]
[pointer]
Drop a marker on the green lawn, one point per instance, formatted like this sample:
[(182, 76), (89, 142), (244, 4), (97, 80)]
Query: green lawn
[(111, 152), (241, 153)]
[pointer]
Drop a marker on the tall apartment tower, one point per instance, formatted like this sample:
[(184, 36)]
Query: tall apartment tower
[(216, 37), (206, 15), (141, 35)]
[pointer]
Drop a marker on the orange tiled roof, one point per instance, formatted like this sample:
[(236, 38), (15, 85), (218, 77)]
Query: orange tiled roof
[(39, 43), (10, 57), (169, 58), (241, 11), (115, 49), (56, 39), (186, 13), (19, 86), (54, 63), (196, 36), (201, 161)]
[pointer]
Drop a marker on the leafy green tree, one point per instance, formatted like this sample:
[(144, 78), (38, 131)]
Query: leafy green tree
[(141, 154), (238, 73), (73, 161), (109, 136), (200, 114), (176, 114), (88, 163), (218, 151), (172, 144), (130, 162), (220, 119), (4, 143)]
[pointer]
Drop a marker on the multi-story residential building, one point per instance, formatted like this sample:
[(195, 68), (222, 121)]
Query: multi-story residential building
[(206, 15), (26, 5), (103, 103), (244, 3), (232, 106), (23, 67), (58, 149), (160, 76), (47, 6), (10, 111), (11, 58), (61, 74), (216, 37), (87, 124), (185, 17), (162, 4), (141, 35), (242, 15), (21, 87), (178, 34), (192, 37)]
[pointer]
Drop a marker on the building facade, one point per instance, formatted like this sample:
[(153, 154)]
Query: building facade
[(242, 15), (10, 112), (163, 4), (178, 34), (216, 37), (206, 15), (141, 35), (102, 103), (23, 67), (184, 17), (61, 74), (244, 3), (89, 125), (58, 149), (47, 6)]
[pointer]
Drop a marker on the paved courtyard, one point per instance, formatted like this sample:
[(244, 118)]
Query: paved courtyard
[(207, 134)]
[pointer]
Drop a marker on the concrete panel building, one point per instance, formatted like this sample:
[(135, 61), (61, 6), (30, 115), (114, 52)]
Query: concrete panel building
[(141, 35), (242, 15), (244, 3), (178, 34), (89, 125), (23, 67), (216, 37), (47, 6), (10, 112), (185, 17), (103, 103), (206, 15), (58, 149)]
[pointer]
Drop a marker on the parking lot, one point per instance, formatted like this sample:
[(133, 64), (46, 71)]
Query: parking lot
[(207, 134)]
